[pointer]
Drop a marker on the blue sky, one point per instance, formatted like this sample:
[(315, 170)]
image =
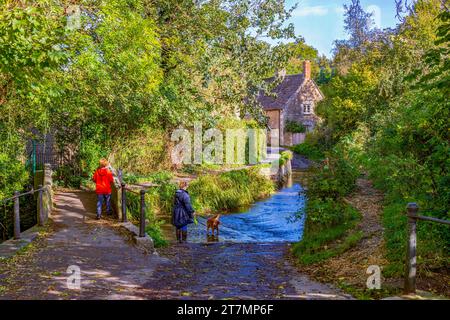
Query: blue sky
[(321, 22)]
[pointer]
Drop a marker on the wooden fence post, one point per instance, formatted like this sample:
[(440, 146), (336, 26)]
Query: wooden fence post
[(142, 218), (41, 212), (411, 256), (16, 215), (124, 202)]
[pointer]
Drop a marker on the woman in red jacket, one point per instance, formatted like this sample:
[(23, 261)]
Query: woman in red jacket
[(103, 179)]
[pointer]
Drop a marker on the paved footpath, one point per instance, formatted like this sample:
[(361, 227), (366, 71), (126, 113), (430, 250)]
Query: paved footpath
[(112, 268)]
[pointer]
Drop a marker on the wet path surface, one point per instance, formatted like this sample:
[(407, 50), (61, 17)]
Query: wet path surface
[(233, 271), (112, 268)]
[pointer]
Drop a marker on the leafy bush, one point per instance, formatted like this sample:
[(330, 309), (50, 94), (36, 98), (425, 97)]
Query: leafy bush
[(327, 220), (328, 217), (285, 157), (13, 175), (142, 153), (155, 232), (324, 214), (432, 240), (334, 179), (65, 176), (295, 127), (309, 151), (230, 190)]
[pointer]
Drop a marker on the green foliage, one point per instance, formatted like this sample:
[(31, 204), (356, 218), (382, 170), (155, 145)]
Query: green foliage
[(30, 48), (133, 71), (387, 110), (13, 175), (370, 294), (334, 179), (299, 52), (295, 127), (431, 239), (66, 176), (326, 222), (348, 101), (324, 214), (229, 190), (309, 150), (328, 217), (142, 153), (316, 251), (159, 203), (285, 156), (155, 232)]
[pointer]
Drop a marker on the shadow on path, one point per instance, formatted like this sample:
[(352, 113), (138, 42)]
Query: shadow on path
[(112, 268)]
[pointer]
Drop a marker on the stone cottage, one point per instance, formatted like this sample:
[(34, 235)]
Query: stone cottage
[(294, 101)]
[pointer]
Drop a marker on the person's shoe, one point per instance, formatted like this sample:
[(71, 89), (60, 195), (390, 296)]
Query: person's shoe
[(179, 236), (184, 236), (98, 217)]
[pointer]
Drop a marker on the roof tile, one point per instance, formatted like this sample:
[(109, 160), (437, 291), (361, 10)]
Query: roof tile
[(283, 92)]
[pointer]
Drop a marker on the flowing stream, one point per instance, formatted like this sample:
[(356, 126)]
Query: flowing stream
[(274, 219)]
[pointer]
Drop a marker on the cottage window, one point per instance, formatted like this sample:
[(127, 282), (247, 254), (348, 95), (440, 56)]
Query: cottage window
[(306, 108)]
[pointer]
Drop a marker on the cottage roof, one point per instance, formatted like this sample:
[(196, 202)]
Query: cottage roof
[(283, 92)]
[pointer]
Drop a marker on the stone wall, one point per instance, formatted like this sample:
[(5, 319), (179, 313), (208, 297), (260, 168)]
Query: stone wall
[(282, 176), (294, 111), (44, 178)]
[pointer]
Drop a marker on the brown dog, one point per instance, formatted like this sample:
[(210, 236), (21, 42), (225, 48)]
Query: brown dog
[(213, 224)]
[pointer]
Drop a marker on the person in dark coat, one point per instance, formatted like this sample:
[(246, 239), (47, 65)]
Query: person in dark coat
[(183, 213)]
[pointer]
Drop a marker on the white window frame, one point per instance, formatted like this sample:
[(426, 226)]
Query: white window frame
[(307, 108)]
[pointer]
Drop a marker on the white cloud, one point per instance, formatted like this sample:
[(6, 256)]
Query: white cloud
[(310, 11), (376, 11), (340, 10)]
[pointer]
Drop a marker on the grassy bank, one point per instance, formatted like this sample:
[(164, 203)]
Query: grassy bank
[(330, 221), (433, 253), (323, 241), (229, 190)]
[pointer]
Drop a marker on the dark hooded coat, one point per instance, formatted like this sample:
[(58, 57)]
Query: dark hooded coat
[(183, 213)]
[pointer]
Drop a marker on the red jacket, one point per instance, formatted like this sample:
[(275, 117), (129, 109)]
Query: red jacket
[(103, 179)]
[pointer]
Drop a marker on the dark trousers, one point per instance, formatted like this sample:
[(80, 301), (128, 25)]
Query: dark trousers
[(100, 199)]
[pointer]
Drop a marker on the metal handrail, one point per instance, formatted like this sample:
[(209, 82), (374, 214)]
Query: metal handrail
[(131, 190), (15, 198), (426, 218), (141, 193), (32, 191)]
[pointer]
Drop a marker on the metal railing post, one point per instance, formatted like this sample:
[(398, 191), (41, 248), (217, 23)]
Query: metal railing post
[(16, 215), (142, 217), (411, 257), (124, 203)]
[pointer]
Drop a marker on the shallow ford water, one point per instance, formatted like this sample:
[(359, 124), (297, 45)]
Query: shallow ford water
[(270, 220)]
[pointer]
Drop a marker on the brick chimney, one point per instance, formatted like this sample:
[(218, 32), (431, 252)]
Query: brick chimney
[(307, 69)]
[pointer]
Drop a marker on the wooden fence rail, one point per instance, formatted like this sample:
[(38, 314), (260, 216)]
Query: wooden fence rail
[(411, 257)]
